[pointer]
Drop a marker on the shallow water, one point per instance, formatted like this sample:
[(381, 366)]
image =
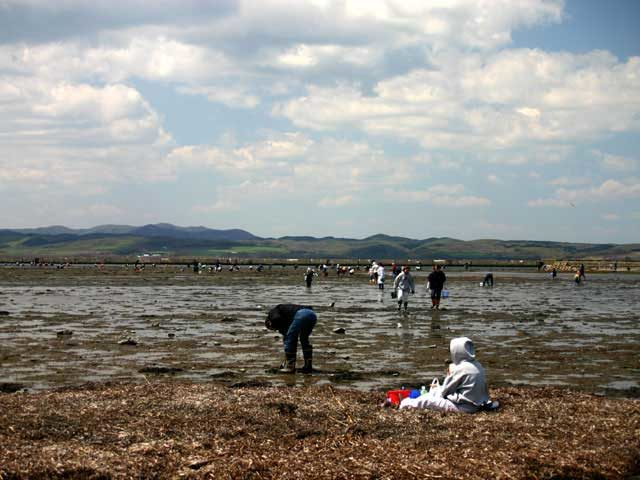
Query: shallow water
[(528, 329)]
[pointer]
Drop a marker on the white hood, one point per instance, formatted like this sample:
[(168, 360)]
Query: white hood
[(462, 348)]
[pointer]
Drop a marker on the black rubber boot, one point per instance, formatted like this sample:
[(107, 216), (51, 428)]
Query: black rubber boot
[(308, 356), (289, 363)]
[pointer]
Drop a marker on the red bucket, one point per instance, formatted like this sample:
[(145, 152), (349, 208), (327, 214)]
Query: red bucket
[(396, 396)]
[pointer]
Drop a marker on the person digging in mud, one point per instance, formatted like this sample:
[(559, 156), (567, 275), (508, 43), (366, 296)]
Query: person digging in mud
[(294, 322), (464, 389)]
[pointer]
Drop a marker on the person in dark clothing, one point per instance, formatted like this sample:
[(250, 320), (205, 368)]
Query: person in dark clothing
[(308, 277), (435, 283), (395, 270), (488, 280), (294, 322), (581, 272)]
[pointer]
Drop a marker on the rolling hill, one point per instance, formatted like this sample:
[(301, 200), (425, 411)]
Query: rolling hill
[(123, 241)]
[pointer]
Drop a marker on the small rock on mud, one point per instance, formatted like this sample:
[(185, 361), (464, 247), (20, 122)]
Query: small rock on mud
[(10, 387), (157, 370)]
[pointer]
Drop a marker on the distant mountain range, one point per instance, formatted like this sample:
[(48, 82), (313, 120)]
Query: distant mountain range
[(166, 240), (153, 230)]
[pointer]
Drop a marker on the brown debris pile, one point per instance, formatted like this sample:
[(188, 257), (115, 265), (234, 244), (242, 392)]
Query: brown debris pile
[(168, 430)]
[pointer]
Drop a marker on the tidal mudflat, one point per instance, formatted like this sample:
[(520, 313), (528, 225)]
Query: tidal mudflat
[(66, 327), (167, 374)]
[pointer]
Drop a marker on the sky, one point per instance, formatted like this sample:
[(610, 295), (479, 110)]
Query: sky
[(348, 118)]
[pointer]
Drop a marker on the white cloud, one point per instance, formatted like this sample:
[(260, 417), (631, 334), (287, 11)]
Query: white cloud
[(494, 230), (441, 195), (387, 96), (305, 56), (248, 194), (510, 99), (217, 206), (612, 189), (61, 112), (339, 201), (150, 57), (99, 212), (609, 190), (618, 162), (549, 202), (275, 154), (570, 181), (229, 96), (78, 136)]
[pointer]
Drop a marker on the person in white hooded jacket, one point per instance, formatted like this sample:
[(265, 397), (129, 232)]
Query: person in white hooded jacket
[(463, 390)]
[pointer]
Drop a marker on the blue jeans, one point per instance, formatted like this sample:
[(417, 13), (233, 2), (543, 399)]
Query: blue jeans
[(301, 327)]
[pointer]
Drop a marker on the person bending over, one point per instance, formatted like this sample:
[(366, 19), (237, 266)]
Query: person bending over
[(294, 322)]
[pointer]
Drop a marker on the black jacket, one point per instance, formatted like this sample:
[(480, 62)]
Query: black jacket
[(436, 280), (281, 316)]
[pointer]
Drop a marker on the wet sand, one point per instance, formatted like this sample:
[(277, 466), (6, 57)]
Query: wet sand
[(64, 328)]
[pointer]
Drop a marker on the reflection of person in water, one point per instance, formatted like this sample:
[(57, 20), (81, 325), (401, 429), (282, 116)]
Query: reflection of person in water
[(294, 322), (488, 280)]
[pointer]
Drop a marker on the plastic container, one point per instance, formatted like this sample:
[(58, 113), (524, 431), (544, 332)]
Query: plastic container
[(396, 396), (445, 293)]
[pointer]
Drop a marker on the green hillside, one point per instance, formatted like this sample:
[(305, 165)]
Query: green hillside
[(18, 245)]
